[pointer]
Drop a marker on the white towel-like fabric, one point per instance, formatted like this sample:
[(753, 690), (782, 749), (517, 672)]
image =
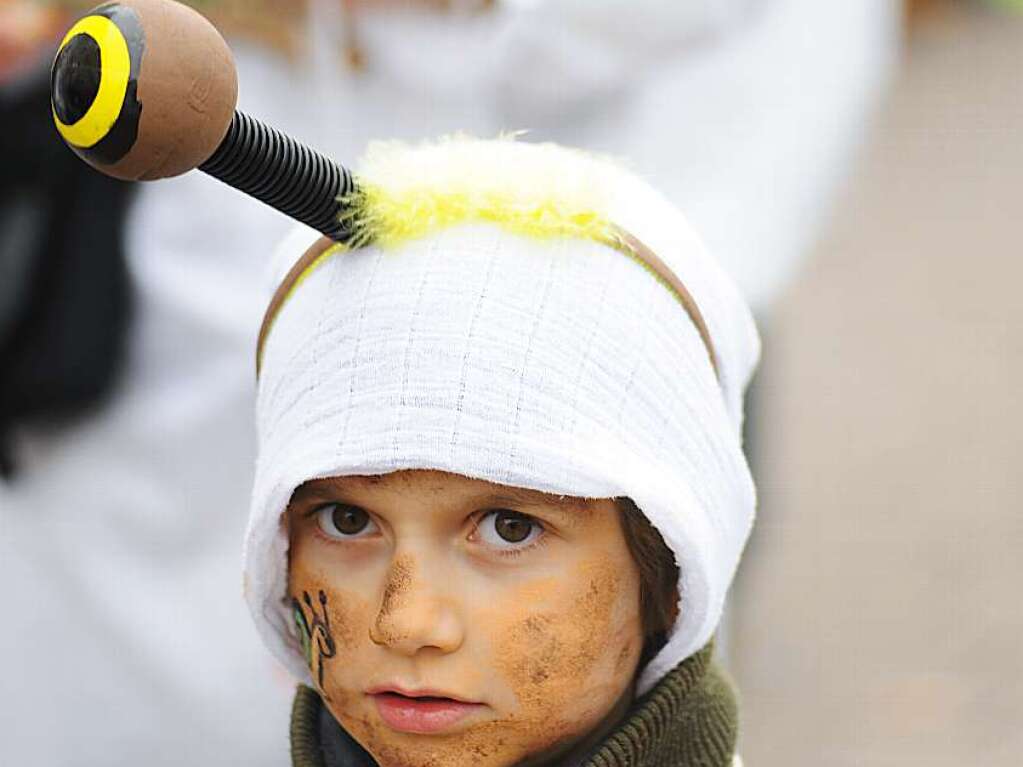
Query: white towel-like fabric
[(559, 365)]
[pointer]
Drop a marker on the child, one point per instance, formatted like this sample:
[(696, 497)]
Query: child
[(500, 492)]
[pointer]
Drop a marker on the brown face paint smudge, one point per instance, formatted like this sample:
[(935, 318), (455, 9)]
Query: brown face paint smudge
[(577, 646), (626, 655), (391, 749), (397, 584), (536, 649), (396, 593), (550, 641)]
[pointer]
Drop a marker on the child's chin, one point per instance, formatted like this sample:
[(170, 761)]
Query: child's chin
[(472, 742)]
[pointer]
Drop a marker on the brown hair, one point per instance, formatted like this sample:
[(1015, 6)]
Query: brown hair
[(658, 577)]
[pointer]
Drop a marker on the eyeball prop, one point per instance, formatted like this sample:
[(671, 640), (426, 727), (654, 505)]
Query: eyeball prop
[(146, 89), (143, 89)]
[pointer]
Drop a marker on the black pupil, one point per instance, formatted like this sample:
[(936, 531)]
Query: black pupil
[(349, 519), (512, 527), (75, 78)]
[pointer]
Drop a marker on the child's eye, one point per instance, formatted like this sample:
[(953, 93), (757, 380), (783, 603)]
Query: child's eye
[(508, 529), (341, 521)]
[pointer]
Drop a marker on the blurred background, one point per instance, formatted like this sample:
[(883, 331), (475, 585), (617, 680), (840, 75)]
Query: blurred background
[(855, 165), (877, 619)]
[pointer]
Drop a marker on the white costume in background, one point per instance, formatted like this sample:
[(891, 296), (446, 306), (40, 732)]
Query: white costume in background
[(747, 113), (127, 641)]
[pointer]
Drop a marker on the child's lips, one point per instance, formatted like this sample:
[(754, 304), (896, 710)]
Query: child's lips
[(422, 711)]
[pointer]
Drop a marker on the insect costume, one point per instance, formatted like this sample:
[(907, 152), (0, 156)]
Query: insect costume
[(523, 314), (529, 328), (536, 317)]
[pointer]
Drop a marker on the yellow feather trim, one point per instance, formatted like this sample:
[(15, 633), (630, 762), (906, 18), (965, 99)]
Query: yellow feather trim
[(540, 191)]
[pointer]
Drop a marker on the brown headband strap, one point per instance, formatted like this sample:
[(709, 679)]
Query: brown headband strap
[(314, 253), (618, 238), (633, 247)]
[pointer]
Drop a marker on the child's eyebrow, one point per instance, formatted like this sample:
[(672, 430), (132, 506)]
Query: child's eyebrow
[(516, 497), (318, 489), (330, 488)]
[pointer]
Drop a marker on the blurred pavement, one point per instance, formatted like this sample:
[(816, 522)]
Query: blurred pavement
[(879, 616)]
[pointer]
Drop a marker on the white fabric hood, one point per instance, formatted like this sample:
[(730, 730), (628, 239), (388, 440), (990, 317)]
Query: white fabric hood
[(558, 364)]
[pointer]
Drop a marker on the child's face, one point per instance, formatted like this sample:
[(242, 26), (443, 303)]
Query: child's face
[(451, 621)]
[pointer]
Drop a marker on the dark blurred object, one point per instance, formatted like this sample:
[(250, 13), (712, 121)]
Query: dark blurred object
[(917, 9), (64, 285), (25, 27)]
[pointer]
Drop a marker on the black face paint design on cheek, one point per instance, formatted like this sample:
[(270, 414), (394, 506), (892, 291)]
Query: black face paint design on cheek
[(315, 633)]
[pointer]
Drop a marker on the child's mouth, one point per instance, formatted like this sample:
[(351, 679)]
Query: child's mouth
[(422, 714)]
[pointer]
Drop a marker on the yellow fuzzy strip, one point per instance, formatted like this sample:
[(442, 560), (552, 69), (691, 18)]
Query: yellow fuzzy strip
[(543, 191), (533, 190)]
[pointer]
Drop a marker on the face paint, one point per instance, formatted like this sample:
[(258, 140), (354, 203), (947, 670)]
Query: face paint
[(395, 593), (475, 624), (314, 632)]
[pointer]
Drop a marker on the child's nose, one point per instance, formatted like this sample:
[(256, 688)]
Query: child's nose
[(415, 613)]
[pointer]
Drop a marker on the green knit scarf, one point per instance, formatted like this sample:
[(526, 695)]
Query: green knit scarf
[(690, 719)]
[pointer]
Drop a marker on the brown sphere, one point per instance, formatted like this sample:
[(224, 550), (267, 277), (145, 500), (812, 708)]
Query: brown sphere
[(144, 89)]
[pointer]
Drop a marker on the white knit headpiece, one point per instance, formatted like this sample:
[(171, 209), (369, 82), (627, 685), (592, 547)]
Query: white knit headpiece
[(551, 363)]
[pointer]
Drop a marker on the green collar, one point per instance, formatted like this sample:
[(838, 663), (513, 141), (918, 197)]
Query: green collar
[(690, 719)]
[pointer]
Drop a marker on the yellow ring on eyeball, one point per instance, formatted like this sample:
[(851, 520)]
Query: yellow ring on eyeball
[(115, 71)]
